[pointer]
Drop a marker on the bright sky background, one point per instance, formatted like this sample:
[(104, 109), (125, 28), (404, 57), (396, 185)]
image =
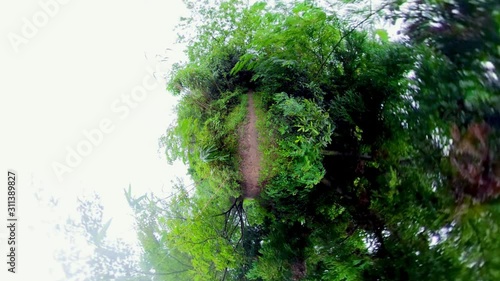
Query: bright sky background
[(68, 73)]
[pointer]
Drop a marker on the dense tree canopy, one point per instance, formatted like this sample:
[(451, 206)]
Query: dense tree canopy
[(381, 159)]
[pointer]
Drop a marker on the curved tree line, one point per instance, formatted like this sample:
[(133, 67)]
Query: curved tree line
[(380, 158)]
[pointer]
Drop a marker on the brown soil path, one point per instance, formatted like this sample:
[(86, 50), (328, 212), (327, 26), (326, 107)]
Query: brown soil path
[(249, 153)]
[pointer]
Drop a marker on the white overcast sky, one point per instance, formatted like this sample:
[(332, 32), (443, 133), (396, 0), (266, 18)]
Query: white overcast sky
[(73, 70)]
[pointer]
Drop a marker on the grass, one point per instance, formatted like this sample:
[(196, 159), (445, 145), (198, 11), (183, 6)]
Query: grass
[(216, 166), (267, 143)]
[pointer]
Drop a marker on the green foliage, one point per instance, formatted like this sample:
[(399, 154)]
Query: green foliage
[(210, 153), (256, 215), (104, 258), (380, 158), (302, 118), (206, 137), (270, 267)]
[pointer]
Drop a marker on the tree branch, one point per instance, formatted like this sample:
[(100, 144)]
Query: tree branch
[(344, 36)]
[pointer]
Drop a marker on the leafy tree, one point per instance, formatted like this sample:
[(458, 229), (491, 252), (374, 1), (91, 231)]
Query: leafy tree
[(381, 160), (108, 259)]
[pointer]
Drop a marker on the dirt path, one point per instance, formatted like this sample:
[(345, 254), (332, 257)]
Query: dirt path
[(249, 153)]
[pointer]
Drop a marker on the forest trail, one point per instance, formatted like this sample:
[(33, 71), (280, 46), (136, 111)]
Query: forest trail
[(249, 153)]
